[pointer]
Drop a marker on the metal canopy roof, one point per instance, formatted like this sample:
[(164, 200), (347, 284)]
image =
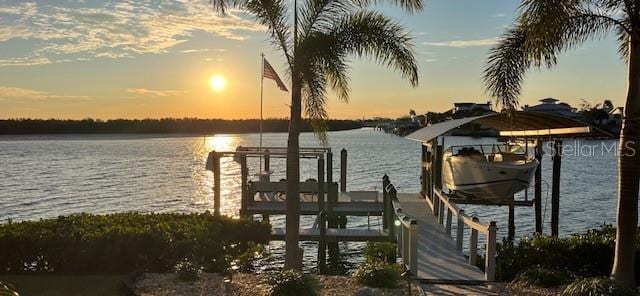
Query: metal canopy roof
[(523, 124)]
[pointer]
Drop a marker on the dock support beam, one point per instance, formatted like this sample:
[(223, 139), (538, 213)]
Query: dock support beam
[(490, 257), (460, 231), (512, 223), (385, 197), (216, 183), (343, 170), (244, 175), (538, 188), (473, 245), (322, 242), (555, 188)]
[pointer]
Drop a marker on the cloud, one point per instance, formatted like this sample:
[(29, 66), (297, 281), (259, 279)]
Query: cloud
[(154, 93), (16, 93), (500, 15), (194, 50), (465, 43), (114, 28)]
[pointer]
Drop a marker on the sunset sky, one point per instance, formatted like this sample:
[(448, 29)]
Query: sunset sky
[(152, 59)]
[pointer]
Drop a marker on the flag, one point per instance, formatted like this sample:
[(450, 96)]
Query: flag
[(268, 72)]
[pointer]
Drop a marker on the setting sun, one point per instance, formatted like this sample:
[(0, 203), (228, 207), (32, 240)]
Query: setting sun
[(217, 82)]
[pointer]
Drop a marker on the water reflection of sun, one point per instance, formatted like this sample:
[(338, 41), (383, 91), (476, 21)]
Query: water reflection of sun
[(222, 143)]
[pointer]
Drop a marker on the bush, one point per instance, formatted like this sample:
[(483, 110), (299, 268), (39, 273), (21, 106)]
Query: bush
[(381, 251), (599, 286), (292, 283), (7, 289), (187, 271), (378, 274), (541, 277), (573, 254), (125, 242)]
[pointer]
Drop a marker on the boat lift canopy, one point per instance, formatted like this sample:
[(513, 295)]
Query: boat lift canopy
[(521, 124)]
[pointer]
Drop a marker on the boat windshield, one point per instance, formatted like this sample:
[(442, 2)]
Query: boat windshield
[(487, 149)]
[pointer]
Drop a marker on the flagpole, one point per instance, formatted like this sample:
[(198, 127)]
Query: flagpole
[(261, 92)]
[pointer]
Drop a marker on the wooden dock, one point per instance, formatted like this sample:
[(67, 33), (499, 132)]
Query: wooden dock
[(439, 261), (336, 235)]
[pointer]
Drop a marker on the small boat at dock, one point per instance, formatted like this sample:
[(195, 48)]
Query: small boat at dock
[(494, 172)]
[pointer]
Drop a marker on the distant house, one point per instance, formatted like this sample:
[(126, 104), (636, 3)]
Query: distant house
[(461, 110), (551, 106)]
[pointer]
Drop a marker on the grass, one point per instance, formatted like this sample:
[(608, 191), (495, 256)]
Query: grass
[(65, 285)]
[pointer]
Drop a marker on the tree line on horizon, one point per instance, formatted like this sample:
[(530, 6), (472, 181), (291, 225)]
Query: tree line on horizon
[(165, 125)]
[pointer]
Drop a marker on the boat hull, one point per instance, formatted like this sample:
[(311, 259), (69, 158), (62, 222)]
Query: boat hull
[(487, 180)]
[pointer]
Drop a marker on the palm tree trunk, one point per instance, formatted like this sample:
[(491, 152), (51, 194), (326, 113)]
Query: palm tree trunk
[(292, 258), (628, 174)]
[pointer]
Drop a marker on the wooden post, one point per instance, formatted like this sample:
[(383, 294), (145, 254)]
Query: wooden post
[(473, 245), (555, 187), (216, 184), (330, 198), (424, 183), (413, 247), (244, 174), (385, 197), (267, 168), (389, 211), (428, 173), (459, 231), (538, 187), (512, 223), (441, 213), (490, 257), (448, 227), (322, 243), (343, 170)]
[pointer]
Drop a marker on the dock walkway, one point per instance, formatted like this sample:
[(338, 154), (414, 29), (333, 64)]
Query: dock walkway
[(439, 262)]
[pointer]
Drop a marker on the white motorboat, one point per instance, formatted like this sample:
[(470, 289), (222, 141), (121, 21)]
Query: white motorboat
[(488, 171)]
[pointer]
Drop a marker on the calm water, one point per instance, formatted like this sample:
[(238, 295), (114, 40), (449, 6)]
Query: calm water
[(47, 176)]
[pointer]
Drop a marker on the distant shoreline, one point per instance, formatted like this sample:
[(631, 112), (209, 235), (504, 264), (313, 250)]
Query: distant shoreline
[(159, 126)]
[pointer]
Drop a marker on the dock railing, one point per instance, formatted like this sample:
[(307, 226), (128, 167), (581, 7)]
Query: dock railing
[(402, 228), (444, 210)]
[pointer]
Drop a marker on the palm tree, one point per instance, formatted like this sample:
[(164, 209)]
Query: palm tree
[(543, 30), (316, 47)]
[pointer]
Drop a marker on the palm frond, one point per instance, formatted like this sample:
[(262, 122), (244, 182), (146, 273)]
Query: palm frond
[(544, 30), (314, 98), (408, 5), (506, 66), (372, 34), (272, 14)]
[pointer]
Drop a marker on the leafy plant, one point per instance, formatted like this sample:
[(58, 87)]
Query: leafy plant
[(573, 254), (378, 274), (125, 242), (292, 283), (382, 251), (187, 271), (599, 286), (542, 277), (7, 289)]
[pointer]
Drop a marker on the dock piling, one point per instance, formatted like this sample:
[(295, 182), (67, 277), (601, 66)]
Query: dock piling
[(538, 188), (460, 231), (322, 242), (473, 245), (343, 170), (216, 183), (555, 187), (490, 257)]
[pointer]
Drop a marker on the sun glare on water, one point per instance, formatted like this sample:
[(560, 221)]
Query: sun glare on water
[(217, 82)]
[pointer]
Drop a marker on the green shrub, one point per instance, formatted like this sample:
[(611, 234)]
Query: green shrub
[(378, 274), (599, 286), (7, 289), (541, 277), (187, 271), (125, 242), (381, 251), (575, 254), (292, 283)]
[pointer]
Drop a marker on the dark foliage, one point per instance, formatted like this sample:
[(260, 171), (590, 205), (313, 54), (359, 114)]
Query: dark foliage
[(542, 277), (377, 274), (159, 126), (187, 271), (586, 255), (292, 283), (380, 251), (599, 286), (125, 242)]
